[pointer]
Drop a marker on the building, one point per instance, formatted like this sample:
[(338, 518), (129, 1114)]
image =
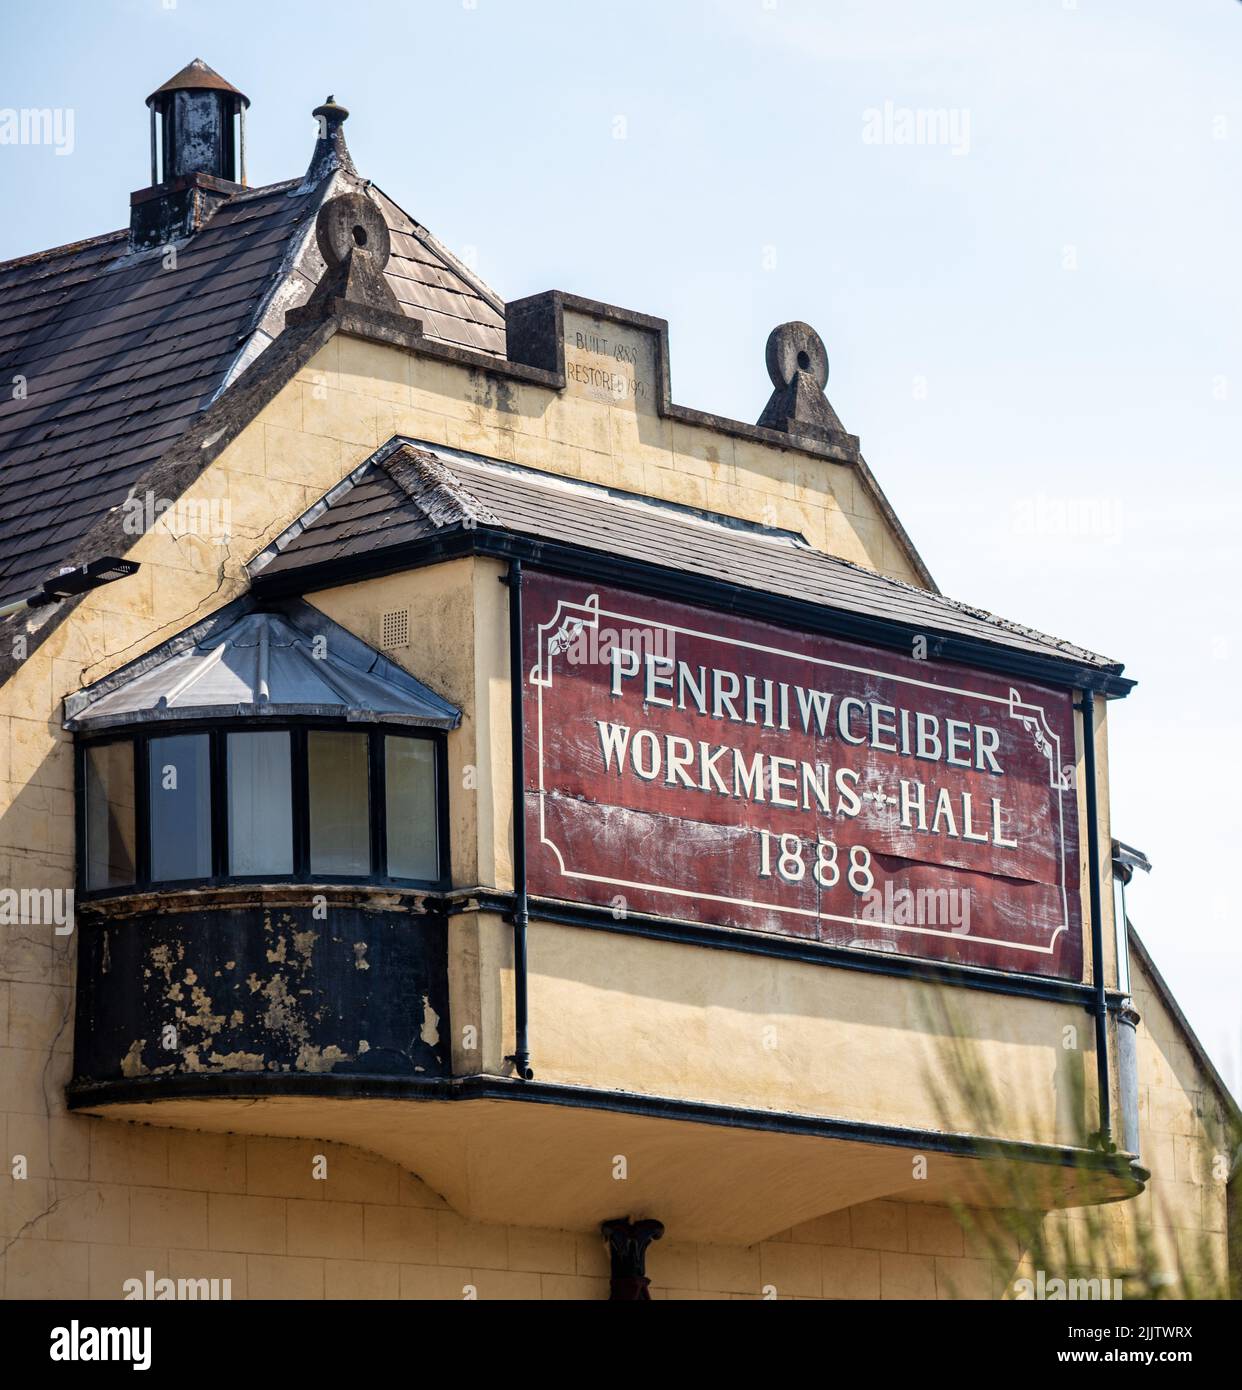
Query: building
[(800, 962)]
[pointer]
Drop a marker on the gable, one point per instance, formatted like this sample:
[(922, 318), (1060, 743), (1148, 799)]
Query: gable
[(119, 353), (409, 495), (109, 355)]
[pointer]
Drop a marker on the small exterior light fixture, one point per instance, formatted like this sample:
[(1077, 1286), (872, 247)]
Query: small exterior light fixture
[(1126, 859), (69, 582)]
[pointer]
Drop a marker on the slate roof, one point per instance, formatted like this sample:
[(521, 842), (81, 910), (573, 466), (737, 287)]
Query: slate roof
[(121, 354), (408, 492), (261, 664), (431, 284)]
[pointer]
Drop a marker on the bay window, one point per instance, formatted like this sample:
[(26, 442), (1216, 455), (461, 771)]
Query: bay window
[(337, 785), (210, 805), (260, 818), (179, 806), (410, 819), (109, 840)]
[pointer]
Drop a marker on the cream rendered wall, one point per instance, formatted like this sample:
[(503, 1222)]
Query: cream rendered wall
[(1185, 1137), (71, 1214), (443, 652), (636, 1014), (102, 1201), (1187, 1144), (127, 1198), (459, 646), (614, 442)]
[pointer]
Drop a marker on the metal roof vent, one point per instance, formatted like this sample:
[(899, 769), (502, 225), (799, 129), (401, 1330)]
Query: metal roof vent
[(202, 126), (198, 154)]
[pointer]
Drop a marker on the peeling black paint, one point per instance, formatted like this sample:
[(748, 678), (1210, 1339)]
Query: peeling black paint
[(262, 988)]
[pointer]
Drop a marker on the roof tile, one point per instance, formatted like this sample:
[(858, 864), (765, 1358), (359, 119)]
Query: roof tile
[(121, 354), (380, 510)]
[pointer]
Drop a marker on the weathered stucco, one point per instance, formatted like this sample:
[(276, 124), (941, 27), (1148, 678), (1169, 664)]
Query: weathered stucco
[(104, 1200)]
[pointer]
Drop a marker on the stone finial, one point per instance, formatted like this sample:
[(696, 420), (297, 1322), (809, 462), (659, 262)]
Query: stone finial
[(331, 116), (355, 243), (351, 222), (331, 152), (798, 365)]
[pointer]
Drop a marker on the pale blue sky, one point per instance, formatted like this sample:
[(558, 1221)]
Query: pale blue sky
[(1035, 327)]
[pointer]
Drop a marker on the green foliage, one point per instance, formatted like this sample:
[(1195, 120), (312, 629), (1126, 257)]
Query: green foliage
[(1067, 1214)]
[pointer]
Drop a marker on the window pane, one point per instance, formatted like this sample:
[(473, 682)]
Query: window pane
[(340, 834), (260, 804), (179, 781), (410, 786), (110, 815)]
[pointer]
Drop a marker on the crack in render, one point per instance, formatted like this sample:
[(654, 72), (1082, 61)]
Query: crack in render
[(116, 660), (52, 1178), (51, 1058), (34, 1221)]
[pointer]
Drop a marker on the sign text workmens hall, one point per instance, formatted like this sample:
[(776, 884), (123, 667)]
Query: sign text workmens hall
[(717, 769)]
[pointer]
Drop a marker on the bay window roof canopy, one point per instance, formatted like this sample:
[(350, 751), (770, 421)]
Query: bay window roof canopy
[(290, 661)]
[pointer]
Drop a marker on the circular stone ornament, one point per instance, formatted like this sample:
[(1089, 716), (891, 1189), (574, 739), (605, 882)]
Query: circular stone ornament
[(348, 222), (793, 348)]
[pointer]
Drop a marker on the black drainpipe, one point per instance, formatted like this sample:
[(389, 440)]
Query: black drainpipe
[(1087, 707), (521, 1050)]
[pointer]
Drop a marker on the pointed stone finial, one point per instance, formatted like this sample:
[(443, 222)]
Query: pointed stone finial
[(331, 152), (798, 365), (330, 114)]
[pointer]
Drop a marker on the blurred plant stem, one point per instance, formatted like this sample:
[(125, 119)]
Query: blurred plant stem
[(1024, 1225)]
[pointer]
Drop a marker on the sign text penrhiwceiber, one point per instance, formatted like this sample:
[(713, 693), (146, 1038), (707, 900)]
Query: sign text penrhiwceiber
[(717, 769)]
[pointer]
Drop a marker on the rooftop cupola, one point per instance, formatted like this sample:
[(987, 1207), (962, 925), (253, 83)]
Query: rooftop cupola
[(198, 155), (201, 123)]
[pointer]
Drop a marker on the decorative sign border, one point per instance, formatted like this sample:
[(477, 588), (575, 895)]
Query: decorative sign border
[(559, 633)]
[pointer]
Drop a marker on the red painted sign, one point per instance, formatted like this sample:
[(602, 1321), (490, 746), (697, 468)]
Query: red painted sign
[(695, 765)]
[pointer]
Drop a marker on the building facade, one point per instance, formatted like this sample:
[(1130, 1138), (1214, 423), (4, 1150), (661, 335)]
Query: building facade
[(523, 837)]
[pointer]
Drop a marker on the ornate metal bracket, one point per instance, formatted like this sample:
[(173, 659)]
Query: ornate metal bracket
[(627, 1244)]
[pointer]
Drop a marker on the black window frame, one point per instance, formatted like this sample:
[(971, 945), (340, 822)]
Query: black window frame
[(79, 818), (140, 736), (144, 800)]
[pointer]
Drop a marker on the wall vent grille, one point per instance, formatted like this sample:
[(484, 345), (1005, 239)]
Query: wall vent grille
[(395, 629)]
